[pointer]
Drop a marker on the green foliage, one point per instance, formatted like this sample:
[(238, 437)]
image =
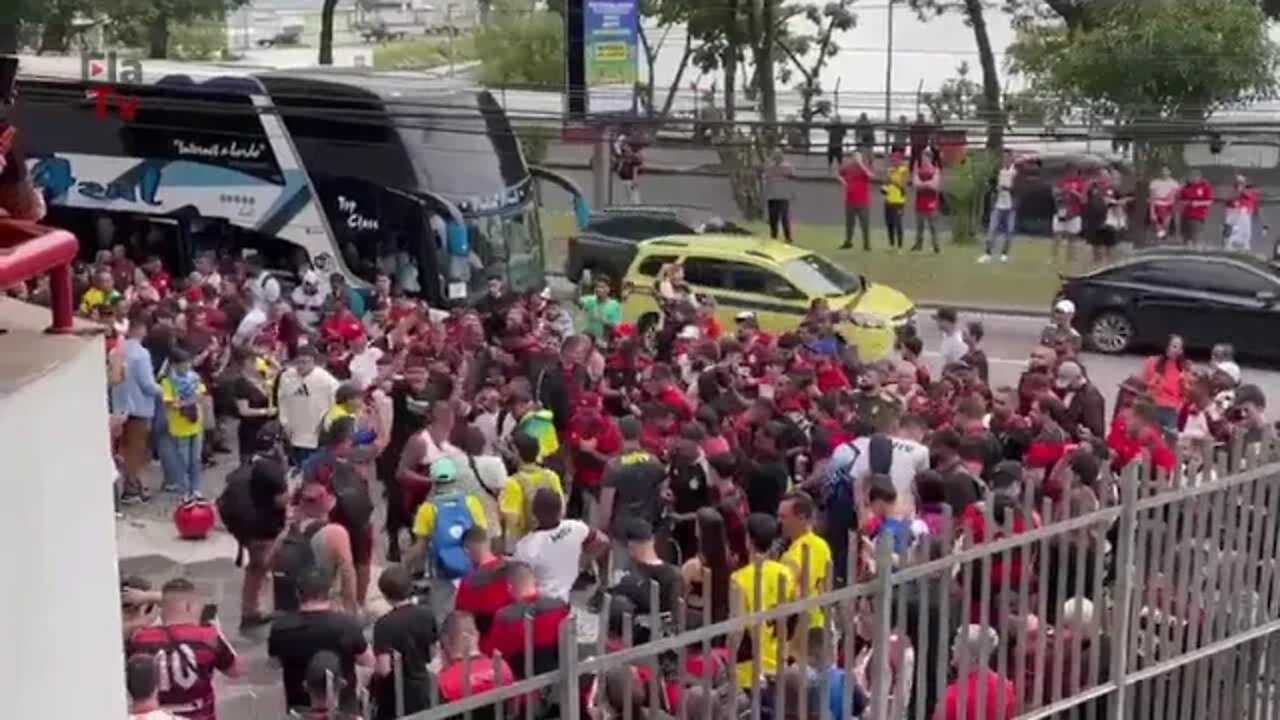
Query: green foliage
[(1179, 59), (964, 186), (535, 140), (201, 41), (522, 49), (809, 50), (956, 99), (421, 54), (148, 23)]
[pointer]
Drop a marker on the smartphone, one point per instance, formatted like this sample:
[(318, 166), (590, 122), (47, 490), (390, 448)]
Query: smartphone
[(8, 79), (208, 613)]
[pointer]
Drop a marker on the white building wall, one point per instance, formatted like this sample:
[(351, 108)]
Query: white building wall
[(61, 602)]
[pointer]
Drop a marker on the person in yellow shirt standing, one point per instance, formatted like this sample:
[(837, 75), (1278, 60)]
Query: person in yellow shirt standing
[(439, 527), (183, 394), (516, 500), (808, 555), (760, 586), (895, 199)]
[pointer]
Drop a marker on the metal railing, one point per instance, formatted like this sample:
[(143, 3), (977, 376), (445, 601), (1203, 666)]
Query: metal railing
[(1162, 603)]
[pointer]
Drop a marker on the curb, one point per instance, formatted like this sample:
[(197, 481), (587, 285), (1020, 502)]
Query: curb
[(1018, 311)]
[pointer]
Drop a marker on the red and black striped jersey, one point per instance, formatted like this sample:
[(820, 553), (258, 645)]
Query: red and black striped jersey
[(187, 657)]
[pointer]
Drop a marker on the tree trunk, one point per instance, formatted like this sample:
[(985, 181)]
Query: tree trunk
[(764, 65), (650, 59), (9, 36), (326, 31), (729, 63), (675, 82), (158, 38), (55, 36), (992, 113)]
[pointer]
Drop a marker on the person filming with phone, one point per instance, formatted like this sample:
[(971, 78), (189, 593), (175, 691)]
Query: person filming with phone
[(189, 649), (19, 198)]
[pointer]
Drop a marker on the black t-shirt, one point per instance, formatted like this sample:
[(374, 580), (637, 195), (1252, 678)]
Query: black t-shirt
[(636, 478), (766, 484), (634, 586), (297, 637), (258, 399), (160, 342), (411, 631)]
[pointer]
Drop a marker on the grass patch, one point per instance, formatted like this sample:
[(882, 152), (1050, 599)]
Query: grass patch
[(1030, 278), (421, 54)]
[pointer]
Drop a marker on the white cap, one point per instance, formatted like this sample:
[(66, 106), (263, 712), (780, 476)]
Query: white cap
[(746, 315), (1229, 368), (1065, 307), (690, 332)]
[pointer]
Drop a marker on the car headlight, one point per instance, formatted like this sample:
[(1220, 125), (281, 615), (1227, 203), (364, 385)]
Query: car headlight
[(864, 320)]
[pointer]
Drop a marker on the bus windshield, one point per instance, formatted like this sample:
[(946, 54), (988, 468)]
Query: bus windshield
[(512, 239)]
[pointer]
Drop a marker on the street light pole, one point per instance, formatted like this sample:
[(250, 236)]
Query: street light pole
[(888, 73)]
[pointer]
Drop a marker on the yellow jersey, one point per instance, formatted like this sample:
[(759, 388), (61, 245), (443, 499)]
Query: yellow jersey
[(895, 187), (777, 586), (516, 496), (334, 414), (181, 426), (819, 554), (424, 522)]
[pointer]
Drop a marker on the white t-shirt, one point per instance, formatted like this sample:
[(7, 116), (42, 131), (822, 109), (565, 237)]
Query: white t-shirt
[(1164, 190), (1004, 188), (954, 348), (554, 556), (909, 459)]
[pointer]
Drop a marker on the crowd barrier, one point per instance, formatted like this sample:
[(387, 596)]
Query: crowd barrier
[(1180, 573)]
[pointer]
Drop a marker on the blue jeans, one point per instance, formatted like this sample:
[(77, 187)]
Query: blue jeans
[(1002, 221), (182, 463)]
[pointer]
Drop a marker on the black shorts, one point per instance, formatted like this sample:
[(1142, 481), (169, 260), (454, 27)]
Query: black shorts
[(1103, 236)]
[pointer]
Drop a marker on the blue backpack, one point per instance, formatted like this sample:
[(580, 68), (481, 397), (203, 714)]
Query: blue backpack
[(453, 520)]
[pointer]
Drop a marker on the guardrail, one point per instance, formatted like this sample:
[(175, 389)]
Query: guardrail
[(1162, 603)]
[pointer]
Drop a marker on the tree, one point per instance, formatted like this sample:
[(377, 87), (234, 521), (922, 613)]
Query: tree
[(956, 99), (521, 49), (1181, 62), (809, 52), (989, 106), (147, 23)]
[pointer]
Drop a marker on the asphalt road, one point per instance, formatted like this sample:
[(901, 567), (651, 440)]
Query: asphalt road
[(256, 695)]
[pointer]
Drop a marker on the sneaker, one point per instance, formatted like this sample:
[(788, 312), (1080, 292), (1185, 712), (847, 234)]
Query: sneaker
[(1004, 258), (986, 258), (132, 499)]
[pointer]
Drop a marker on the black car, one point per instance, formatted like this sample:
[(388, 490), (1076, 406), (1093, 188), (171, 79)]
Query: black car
[(1206, 297), (606, 246), (1037, 176)]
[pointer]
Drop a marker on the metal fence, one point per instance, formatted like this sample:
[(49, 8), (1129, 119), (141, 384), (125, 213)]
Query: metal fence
[(1161, 603)]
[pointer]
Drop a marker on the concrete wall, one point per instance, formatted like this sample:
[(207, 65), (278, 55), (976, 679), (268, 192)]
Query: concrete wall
[(61, 608)]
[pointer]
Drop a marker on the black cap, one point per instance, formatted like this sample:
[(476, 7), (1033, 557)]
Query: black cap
[(637, 530), (948, 314), (1005, 474)]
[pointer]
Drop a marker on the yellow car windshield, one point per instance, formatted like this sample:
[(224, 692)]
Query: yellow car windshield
[(818, 277)]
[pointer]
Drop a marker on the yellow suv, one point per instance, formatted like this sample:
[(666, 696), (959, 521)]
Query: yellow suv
[(774, 280)]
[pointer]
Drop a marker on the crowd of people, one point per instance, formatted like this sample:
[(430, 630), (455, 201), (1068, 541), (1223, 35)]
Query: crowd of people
[(526, 453)]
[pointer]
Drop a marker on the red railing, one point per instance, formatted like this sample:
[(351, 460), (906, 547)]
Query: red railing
[(27, 250)]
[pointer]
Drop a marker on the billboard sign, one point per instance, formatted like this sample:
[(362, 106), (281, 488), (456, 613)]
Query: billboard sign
[(611, 40)]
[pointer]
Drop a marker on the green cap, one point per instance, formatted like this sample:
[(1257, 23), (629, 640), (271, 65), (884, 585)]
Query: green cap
[(444, 470)]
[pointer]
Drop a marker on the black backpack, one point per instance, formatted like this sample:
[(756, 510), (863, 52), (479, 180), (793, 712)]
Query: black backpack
[(235, 504), (294, 557)]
